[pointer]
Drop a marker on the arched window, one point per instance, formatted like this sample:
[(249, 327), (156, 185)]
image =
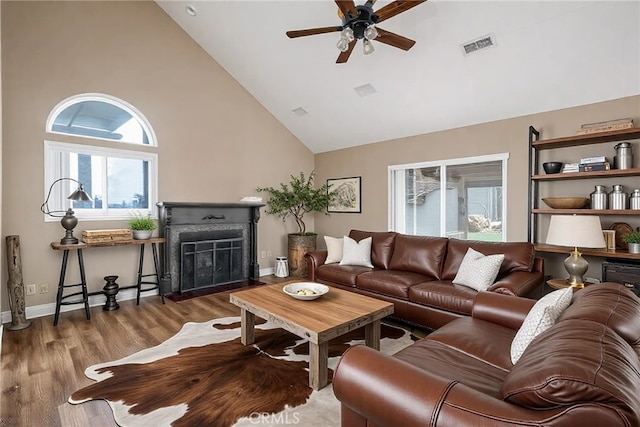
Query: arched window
[(119, 167)]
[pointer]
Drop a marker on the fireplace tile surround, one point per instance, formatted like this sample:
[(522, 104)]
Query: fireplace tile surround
[(186, 223)]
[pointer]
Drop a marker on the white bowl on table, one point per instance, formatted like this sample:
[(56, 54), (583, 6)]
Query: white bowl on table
[(318, 290)]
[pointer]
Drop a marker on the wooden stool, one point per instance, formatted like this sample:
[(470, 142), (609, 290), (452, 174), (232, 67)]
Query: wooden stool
[(60, 297), (156, 283)]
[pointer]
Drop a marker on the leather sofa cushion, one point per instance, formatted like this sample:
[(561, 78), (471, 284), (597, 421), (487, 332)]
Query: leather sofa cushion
[(610, 304), (449, 362), (419, 254), (576, 361), (444, 295), (470, 336), (381, 245), (518, 256), (343, 274), (389, 282)]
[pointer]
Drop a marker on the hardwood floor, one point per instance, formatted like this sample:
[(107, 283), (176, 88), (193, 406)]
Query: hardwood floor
[(42, 364)]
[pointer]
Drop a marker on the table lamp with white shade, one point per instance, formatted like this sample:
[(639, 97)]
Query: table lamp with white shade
[(575, 231)]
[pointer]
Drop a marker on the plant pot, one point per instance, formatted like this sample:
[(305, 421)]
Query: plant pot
[(298, 246), (141, 234), (634, 248)]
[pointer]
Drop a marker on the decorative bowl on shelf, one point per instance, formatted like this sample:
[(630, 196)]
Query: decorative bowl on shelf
[(552, 167), (566, 202), (305, 290)]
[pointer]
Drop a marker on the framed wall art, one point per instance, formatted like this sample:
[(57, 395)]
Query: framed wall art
[(348, 195)]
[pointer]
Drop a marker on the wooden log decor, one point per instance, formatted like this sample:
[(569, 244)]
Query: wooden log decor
[(15, 285)]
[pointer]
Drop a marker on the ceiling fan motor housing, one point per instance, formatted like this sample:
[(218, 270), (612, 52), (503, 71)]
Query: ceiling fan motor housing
[(366, 16)]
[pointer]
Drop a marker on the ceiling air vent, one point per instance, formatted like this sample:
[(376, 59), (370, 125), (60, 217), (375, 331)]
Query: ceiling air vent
[(299, 111), (365, 90), (478, 44)]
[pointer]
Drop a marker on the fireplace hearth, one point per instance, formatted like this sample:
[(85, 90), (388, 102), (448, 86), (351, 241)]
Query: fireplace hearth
[(208, 245)]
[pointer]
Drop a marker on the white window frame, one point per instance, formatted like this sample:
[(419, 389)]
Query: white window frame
[(396, 188), (101, 97), (55, 167)]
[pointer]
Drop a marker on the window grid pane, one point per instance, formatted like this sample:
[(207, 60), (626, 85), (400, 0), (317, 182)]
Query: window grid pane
[(466, 204), (120, 182), (100, 117)]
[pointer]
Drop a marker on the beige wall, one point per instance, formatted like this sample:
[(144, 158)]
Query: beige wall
[(216, 142), (371, 162)]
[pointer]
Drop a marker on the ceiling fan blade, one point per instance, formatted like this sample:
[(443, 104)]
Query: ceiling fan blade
[(347, 7), (395, 40), (312, 31), (398, 6), (344, 56)]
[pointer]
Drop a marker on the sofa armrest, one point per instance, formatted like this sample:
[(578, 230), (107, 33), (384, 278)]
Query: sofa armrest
[(521, 283), (506, 310), (389, 392), (518, 283), (314, 260)]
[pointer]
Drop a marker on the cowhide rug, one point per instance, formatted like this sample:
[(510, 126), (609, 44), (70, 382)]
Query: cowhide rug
[(204, 376)]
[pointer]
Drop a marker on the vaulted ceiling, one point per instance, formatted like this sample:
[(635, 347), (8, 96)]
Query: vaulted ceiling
[(547, 55)]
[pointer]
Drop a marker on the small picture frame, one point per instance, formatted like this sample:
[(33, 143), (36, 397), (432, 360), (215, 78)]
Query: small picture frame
[(348, 195), (609, 239)]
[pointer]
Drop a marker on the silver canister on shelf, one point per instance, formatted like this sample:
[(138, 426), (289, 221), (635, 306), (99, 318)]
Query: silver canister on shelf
[(618, 198), (599, 198), (624, 157), (634, 200)]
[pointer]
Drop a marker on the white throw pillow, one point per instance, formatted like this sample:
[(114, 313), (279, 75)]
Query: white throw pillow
[(356, 253), (334, 249), (543, 315), (478, 271)]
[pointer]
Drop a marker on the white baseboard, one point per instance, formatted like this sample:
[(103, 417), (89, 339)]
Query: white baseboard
[(267, 271), (94, 300)]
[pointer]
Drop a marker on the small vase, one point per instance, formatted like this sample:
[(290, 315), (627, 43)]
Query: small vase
[(110, 290), (634, 248), (141, 234)]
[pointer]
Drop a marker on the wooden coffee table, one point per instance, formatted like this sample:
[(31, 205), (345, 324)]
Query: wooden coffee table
[(332, 315)]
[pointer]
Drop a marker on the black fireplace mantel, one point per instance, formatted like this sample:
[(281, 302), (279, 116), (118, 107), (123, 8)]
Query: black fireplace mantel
[(193, 218)]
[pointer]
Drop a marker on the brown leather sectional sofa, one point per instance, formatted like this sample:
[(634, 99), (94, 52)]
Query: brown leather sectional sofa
[(416, 273), (583, 371)]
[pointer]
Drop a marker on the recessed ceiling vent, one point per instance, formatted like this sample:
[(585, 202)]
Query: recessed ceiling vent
[(365, 90), (299, 111), (478, 44)]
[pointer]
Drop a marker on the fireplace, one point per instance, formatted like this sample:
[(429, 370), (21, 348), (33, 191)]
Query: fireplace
[(208, 244)]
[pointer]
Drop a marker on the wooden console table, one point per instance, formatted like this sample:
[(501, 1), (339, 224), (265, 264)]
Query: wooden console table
[(79, 247)]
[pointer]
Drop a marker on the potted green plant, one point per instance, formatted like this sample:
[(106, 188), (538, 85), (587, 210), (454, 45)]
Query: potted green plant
[(297, 198), (633, 240), (141, 226)]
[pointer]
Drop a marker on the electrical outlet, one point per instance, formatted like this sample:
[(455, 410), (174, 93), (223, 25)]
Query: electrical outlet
[(31, 289), (269, 254), (263, 254), (44, 288)]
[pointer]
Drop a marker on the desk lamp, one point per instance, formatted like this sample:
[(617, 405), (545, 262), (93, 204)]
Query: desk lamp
[(575, 231), (68, 220)]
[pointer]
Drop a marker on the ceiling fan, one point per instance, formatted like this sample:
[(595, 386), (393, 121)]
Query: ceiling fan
[(360, 23)]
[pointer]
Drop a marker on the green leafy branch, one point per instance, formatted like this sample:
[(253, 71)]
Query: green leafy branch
[(297, 198)]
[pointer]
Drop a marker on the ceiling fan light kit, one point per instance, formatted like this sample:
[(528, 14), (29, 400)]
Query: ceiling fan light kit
[(347, 35), (359, 23), (370, 32), (367, 47)]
